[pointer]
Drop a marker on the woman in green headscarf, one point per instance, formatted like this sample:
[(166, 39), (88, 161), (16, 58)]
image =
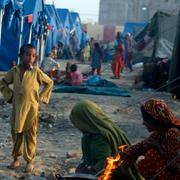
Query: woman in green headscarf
[(101, 139)]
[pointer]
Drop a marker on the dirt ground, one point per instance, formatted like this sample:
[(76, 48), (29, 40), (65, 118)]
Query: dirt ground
[(59, 149)]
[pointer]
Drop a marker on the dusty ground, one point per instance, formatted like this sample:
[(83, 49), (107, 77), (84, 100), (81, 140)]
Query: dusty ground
[(57, 137)]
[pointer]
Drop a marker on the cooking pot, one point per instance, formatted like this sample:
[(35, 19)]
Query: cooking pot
[(77, 176)]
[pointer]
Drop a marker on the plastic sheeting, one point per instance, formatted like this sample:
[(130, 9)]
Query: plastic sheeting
[(78, 27), (67, 22), (12, 14), (109, 91), (54, 35), (175, 64), (161, 31)]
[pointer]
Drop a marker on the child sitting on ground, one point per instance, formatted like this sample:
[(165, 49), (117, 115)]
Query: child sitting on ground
[(65, 75), (76, 76)]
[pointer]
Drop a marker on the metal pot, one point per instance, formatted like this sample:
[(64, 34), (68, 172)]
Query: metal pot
[(77, 176)]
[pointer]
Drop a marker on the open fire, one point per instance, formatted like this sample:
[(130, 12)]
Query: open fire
[(111, 164)]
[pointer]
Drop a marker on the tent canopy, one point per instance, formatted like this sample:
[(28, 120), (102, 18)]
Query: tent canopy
[(10, 32), (55, 26), (174, 75), (3, 3), (33, 16), (133, 28), (77, 26), (157, 38), (16, 4), (67, 22)]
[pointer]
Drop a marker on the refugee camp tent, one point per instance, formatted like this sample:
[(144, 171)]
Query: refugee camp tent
[(10, 25), (60, 28), (156, 40), (77, 26), (55, 29), (174, 76), (34, 25), (67, 22), (133, 27)]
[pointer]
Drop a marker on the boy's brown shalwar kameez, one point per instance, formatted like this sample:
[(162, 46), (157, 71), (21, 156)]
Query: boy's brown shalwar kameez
[(25, 99)]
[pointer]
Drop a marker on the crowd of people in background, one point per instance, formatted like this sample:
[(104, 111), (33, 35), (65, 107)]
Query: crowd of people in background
[(93, 53), (118, 53)]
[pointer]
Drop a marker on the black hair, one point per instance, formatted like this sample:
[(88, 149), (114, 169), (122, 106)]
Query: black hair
[(24, 47), (73, 67), (151, 120), (98, 48), (118, 34)]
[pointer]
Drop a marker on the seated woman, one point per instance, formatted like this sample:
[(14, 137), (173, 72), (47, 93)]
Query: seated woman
[(50, 66), (101, 139), (76, 76), (161, 150)]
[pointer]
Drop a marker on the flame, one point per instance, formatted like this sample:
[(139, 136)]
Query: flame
[(111, 164)]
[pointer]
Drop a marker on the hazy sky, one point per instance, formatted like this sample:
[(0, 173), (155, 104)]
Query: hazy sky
[(88, 9)]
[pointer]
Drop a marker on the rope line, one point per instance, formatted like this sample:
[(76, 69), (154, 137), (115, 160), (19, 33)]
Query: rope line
[(167, 165), (167, 84)]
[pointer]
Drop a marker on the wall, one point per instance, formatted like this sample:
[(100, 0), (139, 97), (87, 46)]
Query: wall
[(113, 12), (102, 33), (95, 31), (117, 12)]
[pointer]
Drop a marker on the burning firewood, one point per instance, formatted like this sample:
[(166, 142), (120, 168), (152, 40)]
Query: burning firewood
[(112, 163)]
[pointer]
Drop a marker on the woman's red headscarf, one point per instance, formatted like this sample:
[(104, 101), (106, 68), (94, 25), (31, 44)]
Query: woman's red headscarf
[(160, 111)]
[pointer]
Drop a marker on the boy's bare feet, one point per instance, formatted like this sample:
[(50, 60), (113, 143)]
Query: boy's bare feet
[(29, 167), (15, 164)]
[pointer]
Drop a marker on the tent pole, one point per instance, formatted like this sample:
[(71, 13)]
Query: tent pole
[(30, 35), (21, 34), (38, 47), (1, 18), (42, 49)]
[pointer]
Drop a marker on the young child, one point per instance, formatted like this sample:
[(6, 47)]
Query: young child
[(26, 79), (76, 76), (65, 76)]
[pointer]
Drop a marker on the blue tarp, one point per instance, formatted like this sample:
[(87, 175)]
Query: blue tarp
[(17, 4), (60, 27), (94, 85), (3, 3), (77, 26), (55, 31), (10, 32), (36, 9), (97, 81), (61, 23), (111, 91), (66, 18), (133, 27)]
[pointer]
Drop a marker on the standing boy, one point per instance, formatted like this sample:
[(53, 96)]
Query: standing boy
[(26, 79)]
